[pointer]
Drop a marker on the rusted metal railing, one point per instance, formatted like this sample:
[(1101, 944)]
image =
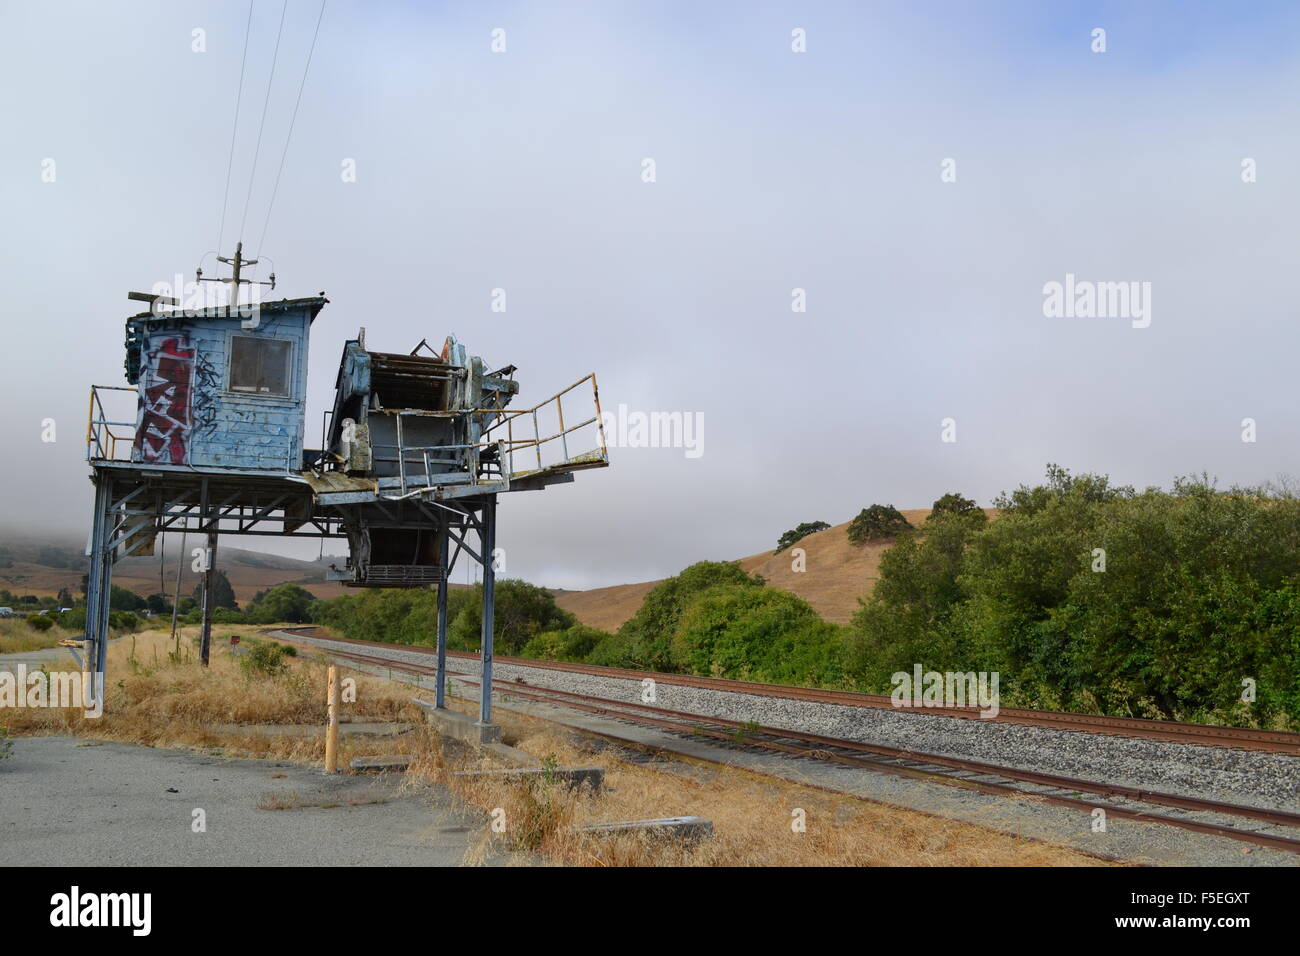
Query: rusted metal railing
[(477, 461), (101, 440), (507, 417)]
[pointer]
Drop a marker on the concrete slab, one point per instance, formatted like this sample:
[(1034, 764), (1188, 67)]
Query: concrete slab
[(68, 801), (346, 729)]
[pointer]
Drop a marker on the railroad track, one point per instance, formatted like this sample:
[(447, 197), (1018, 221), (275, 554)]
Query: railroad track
[(1274, 829), (1266, 741)]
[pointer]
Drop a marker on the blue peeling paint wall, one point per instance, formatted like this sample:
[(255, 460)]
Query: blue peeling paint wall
[(191, 412)]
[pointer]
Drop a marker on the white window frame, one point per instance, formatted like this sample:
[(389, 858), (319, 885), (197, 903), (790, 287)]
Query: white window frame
[(291, 377)]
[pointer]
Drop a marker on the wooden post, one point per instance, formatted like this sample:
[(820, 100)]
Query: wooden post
[(332, 731), (180, 563)]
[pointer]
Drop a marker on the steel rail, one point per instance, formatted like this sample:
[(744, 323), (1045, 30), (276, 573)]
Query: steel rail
[(869, 756), (1266, 741)]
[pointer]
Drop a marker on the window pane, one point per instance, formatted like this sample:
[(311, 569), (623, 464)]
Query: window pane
[(260, 366)]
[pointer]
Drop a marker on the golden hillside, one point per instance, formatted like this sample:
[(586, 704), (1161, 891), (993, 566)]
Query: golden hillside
[(836, 575)]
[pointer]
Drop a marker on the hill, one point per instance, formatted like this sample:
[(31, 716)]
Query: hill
[(31, 566), (836, 575)]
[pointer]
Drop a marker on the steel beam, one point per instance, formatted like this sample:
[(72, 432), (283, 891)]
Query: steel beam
[(209, 574), (440, 695), (488, 543), (96, 648)]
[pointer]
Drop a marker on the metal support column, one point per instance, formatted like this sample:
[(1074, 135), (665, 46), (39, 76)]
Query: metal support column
[(440, 698), (488, 543), (98, 586), (209, 573)]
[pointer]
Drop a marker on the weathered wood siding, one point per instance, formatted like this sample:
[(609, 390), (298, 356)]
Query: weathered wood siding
[(188, 413)]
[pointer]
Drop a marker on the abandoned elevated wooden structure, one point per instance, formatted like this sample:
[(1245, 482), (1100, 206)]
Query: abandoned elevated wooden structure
[(209, 437)]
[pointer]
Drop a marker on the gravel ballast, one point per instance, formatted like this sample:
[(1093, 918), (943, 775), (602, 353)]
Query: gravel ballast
[(1218, 773)]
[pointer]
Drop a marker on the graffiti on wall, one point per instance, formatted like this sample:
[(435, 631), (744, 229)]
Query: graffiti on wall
[(162, 433), (207, 384)]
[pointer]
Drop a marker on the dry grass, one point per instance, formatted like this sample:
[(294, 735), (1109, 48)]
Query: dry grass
[(161, 698), (752, 817), (18, 637)]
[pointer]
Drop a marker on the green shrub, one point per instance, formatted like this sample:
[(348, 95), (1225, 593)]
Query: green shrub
[(72, 620), (39, 622), (1088, 596), (123, 621), (645, 639), (263, 657), (876, 523), (616, 650), (520, 612), (759, 634), (571, 644)]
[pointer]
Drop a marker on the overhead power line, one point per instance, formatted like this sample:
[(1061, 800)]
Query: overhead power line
[(260, 126), (225, 196), (292, 120)]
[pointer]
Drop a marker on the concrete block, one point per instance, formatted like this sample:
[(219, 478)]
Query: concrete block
[(685, 829), (573, 777), (381, 764), (512, 755), (458, 726)]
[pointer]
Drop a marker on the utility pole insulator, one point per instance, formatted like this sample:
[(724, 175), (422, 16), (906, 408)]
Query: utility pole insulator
[(237, 263)]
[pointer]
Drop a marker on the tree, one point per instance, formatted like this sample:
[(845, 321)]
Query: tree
[(64, 598), (907, 618), (520, 612), (798, 533), (121, 599), (223, 595), (1060, 484), (876, 523), (1083, 595), (157, 603), (953, 504), (284, 602)]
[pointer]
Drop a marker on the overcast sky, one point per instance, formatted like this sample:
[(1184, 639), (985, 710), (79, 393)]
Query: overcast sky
[(774, 170)]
